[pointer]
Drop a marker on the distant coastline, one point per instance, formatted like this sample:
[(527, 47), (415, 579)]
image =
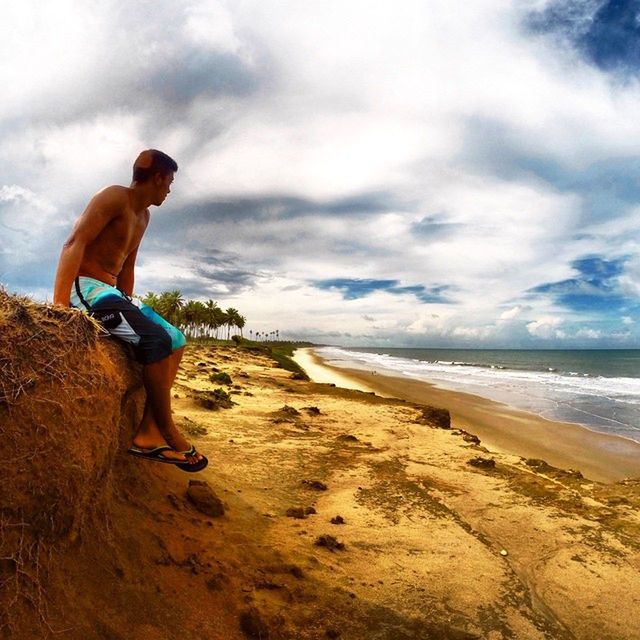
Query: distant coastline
[(501, 426), (598, 389)]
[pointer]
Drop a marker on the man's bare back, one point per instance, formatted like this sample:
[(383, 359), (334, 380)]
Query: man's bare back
[(105, 239), (104, 257)]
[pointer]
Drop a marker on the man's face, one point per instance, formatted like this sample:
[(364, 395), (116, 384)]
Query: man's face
[(163, 187)]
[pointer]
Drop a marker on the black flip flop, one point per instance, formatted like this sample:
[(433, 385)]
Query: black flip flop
[(155, 455)]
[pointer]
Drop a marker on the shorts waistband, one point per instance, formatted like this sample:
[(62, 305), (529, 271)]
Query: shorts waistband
[(86, 291)]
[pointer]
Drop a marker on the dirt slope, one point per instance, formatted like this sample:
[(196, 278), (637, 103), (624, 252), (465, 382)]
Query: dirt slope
[(95, 544)]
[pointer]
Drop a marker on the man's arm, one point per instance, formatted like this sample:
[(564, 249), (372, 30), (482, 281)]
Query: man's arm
[(99, 212), (126, 275)]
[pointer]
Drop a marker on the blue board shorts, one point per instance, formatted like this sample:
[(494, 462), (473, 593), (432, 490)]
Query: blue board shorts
[(127, 319)]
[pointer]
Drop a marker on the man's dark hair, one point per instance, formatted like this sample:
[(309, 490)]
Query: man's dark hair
[(150, 162)]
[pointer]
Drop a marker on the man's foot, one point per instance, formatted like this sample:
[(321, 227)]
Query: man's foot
[(153, 441), (190, 460)]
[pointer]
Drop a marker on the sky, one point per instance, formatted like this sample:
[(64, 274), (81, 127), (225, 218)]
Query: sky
[(389, 173)]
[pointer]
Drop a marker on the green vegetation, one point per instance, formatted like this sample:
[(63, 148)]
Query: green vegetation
[(196, 319), (221, 378), (195, 429), (282, 353), (207, 323), (213, 400)]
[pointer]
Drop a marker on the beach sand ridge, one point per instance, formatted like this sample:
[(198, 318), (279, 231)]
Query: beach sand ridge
[(433, 546)]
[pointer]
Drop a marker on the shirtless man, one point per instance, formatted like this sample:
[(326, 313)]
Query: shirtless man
[(96, 274)]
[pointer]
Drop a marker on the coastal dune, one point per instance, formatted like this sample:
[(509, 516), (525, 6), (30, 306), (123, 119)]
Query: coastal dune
[(325, 512), (82, 526)]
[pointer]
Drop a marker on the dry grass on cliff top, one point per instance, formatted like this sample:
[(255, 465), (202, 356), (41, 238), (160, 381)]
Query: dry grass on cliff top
[(25, 328)]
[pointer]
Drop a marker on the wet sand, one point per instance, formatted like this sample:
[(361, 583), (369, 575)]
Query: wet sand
[(601, 457)]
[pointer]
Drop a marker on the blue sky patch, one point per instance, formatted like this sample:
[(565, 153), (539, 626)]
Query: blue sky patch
[(353, 289), (595, 288), (607, 33)]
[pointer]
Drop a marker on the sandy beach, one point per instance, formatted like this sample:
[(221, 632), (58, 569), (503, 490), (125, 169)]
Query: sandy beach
[(402, 528), (333, 513), (602, 457)]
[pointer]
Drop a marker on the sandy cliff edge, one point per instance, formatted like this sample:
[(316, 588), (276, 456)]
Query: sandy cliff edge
[(346, 514)]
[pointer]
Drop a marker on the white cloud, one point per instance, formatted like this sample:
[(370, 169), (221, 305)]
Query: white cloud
[(627, 320), (476, 333), (413, 103), (546, 328), (511, 314), (590, 334), (629, 281), (26, 222), (210, 23), (428, 323), (16, 194)]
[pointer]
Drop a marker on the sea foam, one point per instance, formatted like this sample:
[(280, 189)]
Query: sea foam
[(610, 404)]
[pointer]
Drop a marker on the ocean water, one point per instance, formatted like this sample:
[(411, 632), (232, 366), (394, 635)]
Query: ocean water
[(599, 389)]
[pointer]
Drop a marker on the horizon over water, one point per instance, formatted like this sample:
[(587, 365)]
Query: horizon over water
[(598, 388)]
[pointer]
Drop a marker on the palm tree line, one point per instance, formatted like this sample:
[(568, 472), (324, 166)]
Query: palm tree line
[(196, 319), (265, 336), (203, 319)]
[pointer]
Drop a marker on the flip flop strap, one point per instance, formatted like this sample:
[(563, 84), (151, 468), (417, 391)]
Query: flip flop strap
[(189, 452), (153, 451)]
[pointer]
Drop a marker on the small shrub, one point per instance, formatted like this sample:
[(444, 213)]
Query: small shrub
[(195, 429), (292, 411), (435, 417), (282, 356), (482, 463), (221, 378), (216, 399)]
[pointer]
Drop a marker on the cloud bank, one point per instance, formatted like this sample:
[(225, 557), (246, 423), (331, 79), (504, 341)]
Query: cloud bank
[(349, 173)]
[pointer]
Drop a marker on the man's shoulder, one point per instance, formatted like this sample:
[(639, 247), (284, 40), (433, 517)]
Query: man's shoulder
[(115, 193)]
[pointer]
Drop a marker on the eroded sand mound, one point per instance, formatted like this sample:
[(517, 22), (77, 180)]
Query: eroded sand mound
[(69, 398)]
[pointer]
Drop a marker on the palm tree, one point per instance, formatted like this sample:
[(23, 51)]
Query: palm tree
[(170, 303), (240, 322), (151, 300), (232, 318), (201, 317), (221, 319), (194, 315), (198, 318), (211, 316)]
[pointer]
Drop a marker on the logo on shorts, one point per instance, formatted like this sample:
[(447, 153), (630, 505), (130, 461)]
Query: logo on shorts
[(111, 316)]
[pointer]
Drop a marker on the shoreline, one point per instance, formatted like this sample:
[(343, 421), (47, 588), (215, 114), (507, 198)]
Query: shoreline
[(598, 456)]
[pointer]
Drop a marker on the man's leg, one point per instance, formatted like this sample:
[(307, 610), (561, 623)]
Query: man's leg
[(153, 338), (148, 425), (157, 427)]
